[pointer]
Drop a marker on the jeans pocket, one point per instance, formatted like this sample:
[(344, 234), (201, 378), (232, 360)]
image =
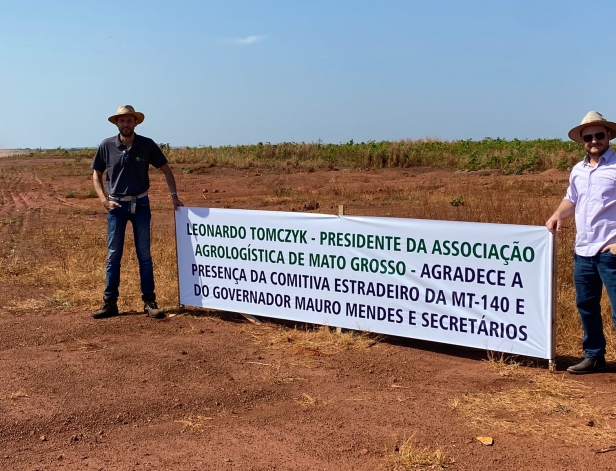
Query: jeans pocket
[(145, 201), (609, 259)]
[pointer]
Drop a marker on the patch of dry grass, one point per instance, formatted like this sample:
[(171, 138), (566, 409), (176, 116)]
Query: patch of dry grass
[(196, 423), (505, 365), (309, 342), (18, 305), (304, 346), (539, 403), (76, 272), (281, 373), (17, 395), (310, 402), (83, 345), (410, 456)]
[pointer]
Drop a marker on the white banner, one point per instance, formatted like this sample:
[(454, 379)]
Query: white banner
[(487, 286)]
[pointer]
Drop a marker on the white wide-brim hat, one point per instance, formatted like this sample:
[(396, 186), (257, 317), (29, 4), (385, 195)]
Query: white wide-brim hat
[(126, 110), (592, 118)]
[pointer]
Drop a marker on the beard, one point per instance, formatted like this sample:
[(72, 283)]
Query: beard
[(127, 132), (597, 151)]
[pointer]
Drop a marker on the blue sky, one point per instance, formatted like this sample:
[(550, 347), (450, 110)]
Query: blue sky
[(240, 72)]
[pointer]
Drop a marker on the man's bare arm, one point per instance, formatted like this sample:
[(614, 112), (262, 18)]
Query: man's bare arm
[(97, 179), (565, 210), (171, 184)]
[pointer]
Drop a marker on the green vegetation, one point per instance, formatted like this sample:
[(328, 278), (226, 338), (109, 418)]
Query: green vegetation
[(509, 156), (515, 156)]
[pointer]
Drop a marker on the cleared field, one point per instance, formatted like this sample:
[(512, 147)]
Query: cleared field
[(9, 152), (210, 391)]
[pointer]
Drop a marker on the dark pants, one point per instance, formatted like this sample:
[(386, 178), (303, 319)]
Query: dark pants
[(117, 219), (590, 274)]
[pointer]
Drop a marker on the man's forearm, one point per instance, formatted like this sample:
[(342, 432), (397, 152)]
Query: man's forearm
[(97, 180), (565, 209), (171, 182), (170, 179)]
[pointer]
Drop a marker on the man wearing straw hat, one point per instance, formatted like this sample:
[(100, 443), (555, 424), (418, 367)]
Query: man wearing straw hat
[(591, 198), (126, 158)]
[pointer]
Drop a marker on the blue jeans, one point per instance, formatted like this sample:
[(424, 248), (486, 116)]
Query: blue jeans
[(117, 220), (590, 274)]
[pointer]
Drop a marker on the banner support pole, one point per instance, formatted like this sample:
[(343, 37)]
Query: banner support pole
[(552, 362), (177, 260), (340, 213)]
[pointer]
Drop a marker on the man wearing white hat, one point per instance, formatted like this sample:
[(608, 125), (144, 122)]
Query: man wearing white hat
[(591, 198), (126, 158)]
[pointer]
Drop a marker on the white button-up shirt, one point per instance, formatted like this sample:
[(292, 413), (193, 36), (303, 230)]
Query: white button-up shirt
[(593, 192)]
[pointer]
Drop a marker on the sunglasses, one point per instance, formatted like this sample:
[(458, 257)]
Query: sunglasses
[(597, 137), (126, 156)]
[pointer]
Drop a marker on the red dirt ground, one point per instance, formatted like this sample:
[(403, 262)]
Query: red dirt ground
[(200, 391)]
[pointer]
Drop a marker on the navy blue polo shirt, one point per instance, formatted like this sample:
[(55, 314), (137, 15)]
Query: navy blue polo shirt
[(127, 176)]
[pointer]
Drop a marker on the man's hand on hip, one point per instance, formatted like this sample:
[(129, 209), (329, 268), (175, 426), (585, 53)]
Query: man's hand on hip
[(609, 248), (109, 205)]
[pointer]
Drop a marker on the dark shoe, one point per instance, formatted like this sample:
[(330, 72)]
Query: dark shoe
[(150, 307), (108, 309), (588, 365), (152, 310)]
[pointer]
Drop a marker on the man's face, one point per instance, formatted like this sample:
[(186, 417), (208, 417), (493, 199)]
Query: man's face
[(126, 124), (592, 144)]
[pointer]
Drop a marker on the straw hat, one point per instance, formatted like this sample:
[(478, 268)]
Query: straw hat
[(128, 109), (592, 118)]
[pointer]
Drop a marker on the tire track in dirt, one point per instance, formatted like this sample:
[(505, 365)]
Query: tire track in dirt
[(24, 195), (29, 208), (18, 202), (13, 206)]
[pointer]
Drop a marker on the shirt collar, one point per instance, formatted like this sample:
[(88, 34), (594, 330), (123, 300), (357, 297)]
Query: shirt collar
[(120, 144), (607, 157)]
